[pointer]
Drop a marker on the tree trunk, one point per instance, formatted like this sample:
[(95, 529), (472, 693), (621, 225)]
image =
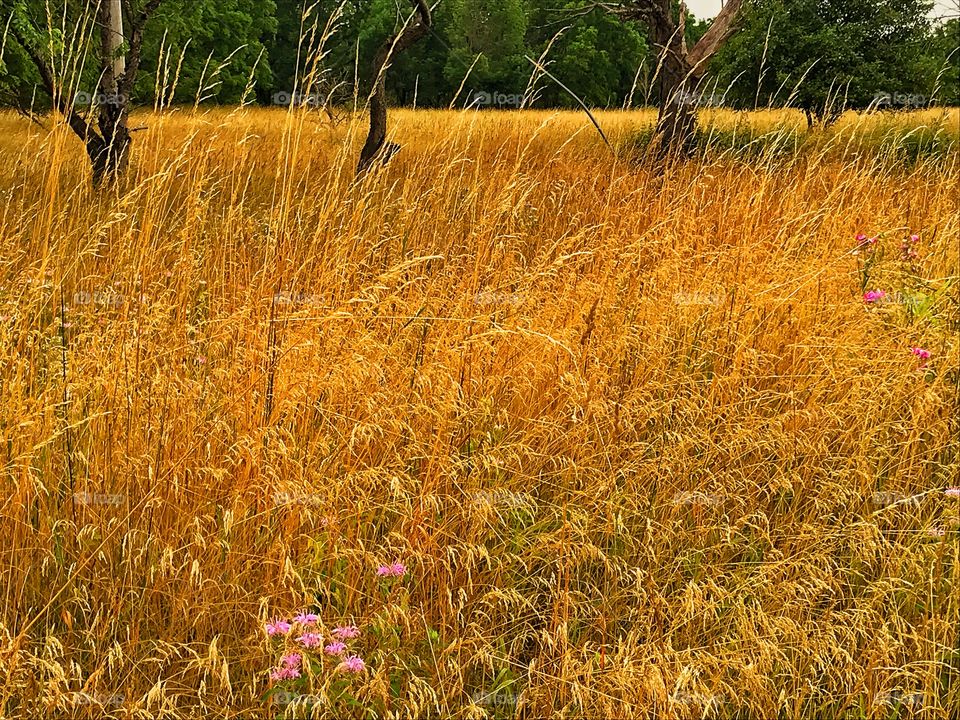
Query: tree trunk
[(109, 153), (676, 127), (108, 149), (677, 119), (376, 149), (680, 70), (377, 135)]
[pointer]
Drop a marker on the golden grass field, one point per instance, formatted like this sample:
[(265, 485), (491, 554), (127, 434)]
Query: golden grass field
[(642, 446)]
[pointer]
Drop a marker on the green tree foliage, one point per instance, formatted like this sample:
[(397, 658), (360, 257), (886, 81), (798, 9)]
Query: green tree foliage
[(217, 45), (824, 55), (945, 56), (492, 32), (853, 49), (596, 55), (28, 27)]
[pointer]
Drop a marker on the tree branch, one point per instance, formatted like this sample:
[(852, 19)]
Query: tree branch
[(83, 128), (135, 44), (721, 29)]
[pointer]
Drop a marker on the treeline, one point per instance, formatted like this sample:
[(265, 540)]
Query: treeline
[(811, 54)]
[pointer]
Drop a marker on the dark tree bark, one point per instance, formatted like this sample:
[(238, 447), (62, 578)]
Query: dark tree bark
[(680, 71), (822, 118), (376, 149), (108, 143)]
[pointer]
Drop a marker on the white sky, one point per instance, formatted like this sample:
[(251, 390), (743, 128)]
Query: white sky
[(709, 8)]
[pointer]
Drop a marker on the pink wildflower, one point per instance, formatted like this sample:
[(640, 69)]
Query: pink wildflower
[(278, 627), (393, 570), (921, 353), (284, 673), (291, 660), (310, 640), (352, 664), (907, 251), (306, 619), (872, 296), (345, 632), (335, 648), (952, 492)]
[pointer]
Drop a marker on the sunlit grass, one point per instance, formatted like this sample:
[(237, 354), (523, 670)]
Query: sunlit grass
[(640, 443)]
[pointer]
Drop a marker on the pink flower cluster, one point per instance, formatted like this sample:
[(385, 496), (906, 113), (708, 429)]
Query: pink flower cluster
[(335, 648), (908, 250), (310, 640), (864, 243), (289, 667), (345, 632), (921, 354), (352, 664), (396, 569), (952, 492), (278, 627), (291, 663), (873, 296)]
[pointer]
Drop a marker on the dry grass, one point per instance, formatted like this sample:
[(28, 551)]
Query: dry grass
[(640, 443)]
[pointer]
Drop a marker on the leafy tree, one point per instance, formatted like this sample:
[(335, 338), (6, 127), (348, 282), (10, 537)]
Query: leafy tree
[(220, 42), (945, 60), (494, 30), (824, 55), (598, 57)]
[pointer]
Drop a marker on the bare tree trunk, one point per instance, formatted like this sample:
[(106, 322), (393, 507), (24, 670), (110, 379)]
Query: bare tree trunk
[(376, 149), (676, 127), (677, 119), (107, 145), (116, 39), (109, 153), (680, 70)]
